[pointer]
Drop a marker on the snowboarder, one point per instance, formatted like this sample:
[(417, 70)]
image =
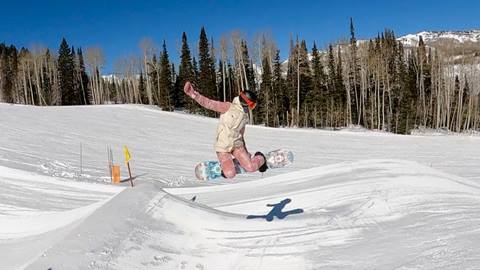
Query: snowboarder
[(230, 141)]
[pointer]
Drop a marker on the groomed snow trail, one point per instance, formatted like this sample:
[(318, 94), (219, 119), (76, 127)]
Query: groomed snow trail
[(361, 208)]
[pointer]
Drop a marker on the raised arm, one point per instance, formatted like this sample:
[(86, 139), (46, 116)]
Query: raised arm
[(205, 102)]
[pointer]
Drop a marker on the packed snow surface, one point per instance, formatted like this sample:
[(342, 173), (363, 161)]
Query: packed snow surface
[(356, 199)]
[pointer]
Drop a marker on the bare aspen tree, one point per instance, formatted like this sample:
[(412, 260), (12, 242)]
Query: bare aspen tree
[(128, 69), (223, 57), (237, 40), (53, 70), (475, 92), (95, 61), (24, 68), (29, 78), (363, 56), (271, 50), (263, 46), (349, 80), (38, 53), (148, 48)]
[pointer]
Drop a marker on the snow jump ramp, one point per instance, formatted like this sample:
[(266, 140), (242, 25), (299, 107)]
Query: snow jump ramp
[(382, 214)]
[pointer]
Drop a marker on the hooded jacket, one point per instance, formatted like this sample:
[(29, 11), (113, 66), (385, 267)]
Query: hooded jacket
[(233, 120), (231, 127)]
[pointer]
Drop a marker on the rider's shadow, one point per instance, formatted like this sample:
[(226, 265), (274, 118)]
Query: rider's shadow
[(277, 211)]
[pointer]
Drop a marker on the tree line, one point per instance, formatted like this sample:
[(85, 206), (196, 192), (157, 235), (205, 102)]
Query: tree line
[(377, 83)]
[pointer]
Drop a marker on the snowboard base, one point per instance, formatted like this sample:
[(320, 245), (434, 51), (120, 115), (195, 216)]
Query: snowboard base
[(211, 170)]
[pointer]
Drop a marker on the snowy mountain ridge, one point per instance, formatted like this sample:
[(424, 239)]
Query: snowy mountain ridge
[(472, 36)]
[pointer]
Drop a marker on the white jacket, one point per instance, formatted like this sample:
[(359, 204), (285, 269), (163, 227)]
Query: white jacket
[(231, 127)]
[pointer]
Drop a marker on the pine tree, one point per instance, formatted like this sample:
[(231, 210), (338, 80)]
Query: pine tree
[(177, 92), (306, 101), (230, 83), (331, 87), (191, 105), (220, 81), (142, 89), (6, 79), (423, 80), (165, 81), (77, 86), (354, 76), (153, 75), (195, 71), (280, 100), (206, 75), (407, 100), (65, 73), (399, 88), (248, 67), (390, 56), (341, 93), (319, 90), (292, 82), (213, 71), (114, 93), (264, 113), (85, 91), (46, 82), (185, 73)]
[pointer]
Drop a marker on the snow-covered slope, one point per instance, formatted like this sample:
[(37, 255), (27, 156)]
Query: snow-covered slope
[(430, 37), (372, 214), (361, 208)]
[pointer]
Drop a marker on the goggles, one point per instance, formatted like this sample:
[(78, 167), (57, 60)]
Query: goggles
[(251, 104)]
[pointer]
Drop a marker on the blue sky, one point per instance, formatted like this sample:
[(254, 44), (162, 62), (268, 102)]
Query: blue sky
[(118, 26)]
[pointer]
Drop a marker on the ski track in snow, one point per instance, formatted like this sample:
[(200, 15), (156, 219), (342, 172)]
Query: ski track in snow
[(370, 199)]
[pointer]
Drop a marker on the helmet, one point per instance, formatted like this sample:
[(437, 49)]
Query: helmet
[(248, 98)]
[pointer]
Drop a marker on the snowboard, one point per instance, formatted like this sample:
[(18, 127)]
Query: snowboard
[(211, 170)]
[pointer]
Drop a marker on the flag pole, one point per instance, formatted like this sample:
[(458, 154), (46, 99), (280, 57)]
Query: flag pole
[(127, 160)]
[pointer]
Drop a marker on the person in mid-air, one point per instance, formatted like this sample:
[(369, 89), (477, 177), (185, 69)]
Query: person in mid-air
[(231, 128)]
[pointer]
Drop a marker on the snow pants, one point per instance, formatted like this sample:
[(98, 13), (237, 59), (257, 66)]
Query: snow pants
[(250, 164)]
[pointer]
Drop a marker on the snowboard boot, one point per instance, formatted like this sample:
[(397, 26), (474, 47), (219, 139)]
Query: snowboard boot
[(264, 167)]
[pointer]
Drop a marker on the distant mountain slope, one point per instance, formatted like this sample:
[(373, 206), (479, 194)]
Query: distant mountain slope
[(436, 37)]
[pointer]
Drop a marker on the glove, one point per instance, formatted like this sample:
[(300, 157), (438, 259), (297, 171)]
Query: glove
[(189, 91)]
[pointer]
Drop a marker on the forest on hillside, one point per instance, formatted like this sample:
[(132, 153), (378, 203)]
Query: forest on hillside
[(378, 83)]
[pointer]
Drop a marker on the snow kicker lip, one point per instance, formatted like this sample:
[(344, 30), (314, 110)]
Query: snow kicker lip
[(34, 214)]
